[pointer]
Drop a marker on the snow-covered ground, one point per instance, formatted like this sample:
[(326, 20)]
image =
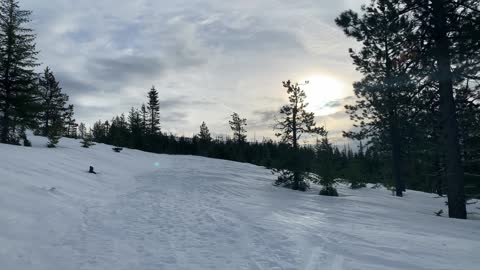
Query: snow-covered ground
[(147, 211)]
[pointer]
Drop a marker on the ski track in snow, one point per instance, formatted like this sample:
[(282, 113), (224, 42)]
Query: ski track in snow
[(198, 213), (186, 222)]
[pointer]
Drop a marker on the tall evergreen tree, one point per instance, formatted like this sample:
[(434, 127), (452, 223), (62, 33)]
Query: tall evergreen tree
[(106, 129), (386, 92), (237, 125), (70, 125), (294, 123), (204, 134), (18, 106), (55, 131), (119, 132), (326, 166), (52, 102), (295, 120), (143, 114), (450, 28), (98, 132), (135, 125), (82, 130), (153, 107)]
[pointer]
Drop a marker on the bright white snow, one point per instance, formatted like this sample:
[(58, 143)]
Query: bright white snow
[(199, 213)]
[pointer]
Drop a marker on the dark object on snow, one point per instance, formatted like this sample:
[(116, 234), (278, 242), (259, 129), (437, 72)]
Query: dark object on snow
[(439, 213), (117, 149), (92, 170), (53, 189)]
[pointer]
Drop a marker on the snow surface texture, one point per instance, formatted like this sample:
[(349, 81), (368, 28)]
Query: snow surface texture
[(147, 211)]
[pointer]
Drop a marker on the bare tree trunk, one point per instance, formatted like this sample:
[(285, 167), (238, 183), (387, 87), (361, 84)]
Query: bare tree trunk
[(454, 170), (5, 121), (396, 160), (296, 174)]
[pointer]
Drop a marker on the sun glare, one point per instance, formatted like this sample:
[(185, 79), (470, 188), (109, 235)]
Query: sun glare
[(322, 91)]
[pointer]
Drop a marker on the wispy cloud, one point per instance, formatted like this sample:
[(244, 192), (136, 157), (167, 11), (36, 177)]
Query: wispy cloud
[(207, 58)]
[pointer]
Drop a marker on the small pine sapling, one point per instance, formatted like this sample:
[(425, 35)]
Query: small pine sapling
[(53, 140), (288, 179), (328, 188), (328, 184), (87, 141), (329, 191)]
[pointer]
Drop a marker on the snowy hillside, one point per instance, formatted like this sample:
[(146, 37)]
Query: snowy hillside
[(147, 211)]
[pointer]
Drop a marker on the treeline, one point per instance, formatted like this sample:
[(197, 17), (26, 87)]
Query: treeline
[(297, 165), (28, 100)]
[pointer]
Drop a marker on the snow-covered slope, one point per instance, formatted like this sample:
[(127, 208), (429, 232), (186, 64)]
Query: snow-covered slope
[(147, 211)]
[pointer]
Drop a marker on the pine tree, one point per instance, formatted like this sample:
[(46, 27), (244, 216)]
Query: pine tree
[(82, 130), (87, 140), (153, 107), (326, 166), (204, 134), (294, 123), (134, 121), (237, 125), (52, 102), (54, 132), (98, 132), (451, 30), (70, 125), (18, 106), (106, 129), (119, 133), (386, 93), (135, 125), (143, 114), (468, 113)]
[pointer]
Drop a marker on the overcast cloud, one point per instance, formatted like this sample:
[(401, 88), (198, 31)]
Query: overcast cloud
[(207, 58)]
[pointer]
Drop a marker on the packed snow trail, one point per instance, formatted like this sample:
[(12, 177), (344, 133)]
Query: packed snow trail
[(146, 211), (184, 217)]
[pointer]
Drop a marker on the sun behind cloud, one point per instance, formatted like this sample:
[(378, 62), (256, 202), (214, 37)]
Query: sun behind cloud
[(322, 90)]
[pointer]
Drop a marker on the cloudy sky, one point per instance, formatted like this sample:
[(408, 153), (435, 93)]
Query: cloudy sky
[(207, 58)]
